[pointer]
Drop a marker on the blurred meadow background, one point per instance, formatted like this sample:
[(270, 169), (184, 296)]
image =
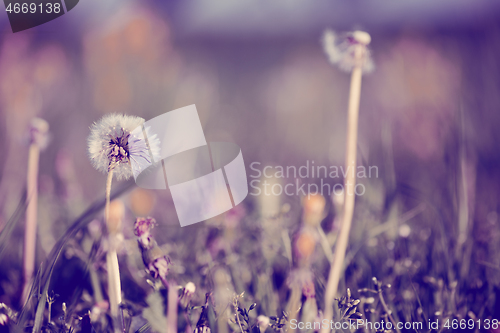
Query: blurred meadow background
[(429, 121)]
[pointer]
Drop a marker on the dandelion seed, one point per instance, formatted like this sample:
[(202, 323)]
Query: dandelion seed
[(341, 48), (116, 142)]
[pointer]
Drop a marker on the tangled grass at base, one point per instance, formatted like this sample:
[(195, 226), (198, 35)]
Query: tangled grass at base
[(243, 272)]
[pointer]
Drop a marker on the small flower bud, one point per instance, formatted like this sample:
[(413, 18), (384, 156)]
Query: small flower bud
[(187, 294), (39, 132), (305, 245), (142, 229), (308, 289), (314, 206)]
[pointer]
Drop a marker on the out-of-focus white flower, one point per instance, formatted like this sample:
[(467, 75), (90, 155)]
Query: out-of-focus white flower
[(341, 50), (187, 294), (116, 142), (5, 314), (190, 288), (263, 322), (39, 132), (3, 319), (404, 230)]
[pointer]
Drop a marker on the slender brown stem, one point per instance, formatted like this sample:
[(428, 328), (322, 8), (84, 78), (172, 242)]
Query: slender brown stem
[(238, 315), (189, 328), (386, 309)]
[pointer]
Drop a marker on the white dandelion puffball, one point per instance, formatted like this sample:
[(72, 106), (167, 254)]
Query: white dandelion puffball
[(116, 142), (340, 50)]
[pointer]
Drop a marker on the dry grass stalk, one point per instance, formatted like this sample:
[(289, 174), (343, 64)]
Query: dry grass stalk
[(38, 133)]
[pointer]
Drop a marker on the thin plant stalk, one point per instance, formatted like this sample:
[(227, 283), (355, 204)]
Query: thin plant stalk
[(96, 286), (173, 300), (114, 286), (31, 218), (109, 180), (349, 185)]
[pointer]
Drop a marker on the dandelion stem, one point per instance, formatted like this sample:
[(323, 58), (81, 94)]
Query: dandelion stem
[(108, 193), (349, 186), (114, 287), (31, 218)]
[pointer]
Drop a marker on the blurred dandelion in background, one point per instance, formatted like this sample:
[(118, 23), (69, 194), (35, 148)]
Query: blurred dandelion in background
[(340, 49)]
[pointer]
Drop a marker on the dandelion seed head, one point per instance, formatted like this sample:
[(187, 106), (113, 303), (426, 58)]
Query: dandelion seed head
[(361, 37), (38, 132), (116, 142), (340, 50)]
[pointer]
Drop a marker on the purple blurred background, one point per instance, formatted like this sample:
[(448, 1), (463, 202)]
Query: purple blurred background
[(259, 77)]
